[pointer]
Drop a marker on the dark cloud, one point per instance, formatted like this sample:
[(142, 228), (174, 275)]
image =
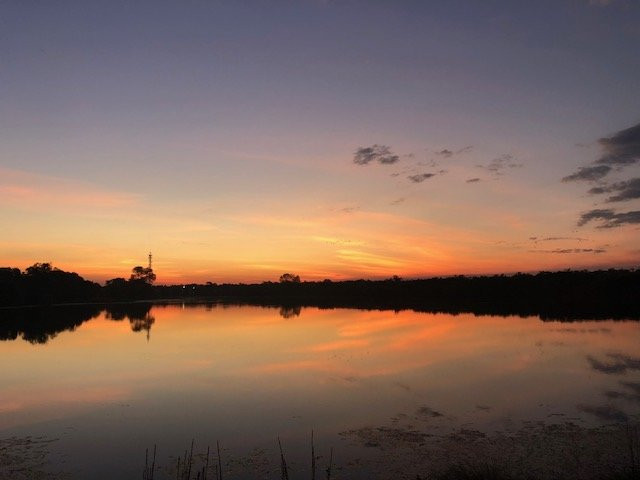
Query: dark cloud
[(375, 153), (420, 177), (609, 218), (619, 150), (397, 201), (446, 153), (627, 190), (554, 239), (473, 180), (588, 174), (497, 166), (620, 363), (622, 148), (571, 250), (608, 413)]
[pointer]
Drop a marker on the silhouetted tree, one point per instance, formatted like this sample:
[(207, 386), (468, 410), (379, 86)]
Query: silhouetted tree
[(144, 274), (289, 278)]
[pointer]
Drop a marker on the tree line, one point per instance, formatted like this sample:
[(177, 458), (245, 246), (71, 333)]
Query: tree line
[(613, 293)]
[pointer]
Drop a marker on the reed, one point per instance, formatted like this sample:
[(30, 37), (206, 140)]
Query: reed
[(330, 464), (313, 459), (284, 474), (149, 470), (185, 464)]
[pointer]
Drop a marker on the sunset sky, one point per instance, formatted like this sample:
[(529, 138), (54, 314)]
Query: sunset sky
[(238, 140)]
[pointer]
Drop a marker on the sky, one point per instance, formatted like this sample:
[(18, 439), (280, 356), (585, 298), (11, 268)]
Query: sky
[(238, 140)]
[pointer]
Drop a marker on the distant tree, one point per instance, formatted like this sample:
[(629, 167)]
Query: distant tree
[(289, 278), (39, 269), (116, 282), (143, 274)]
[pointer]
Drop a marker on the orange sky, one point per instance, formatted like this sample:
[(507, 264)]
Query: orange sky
[(224, 138)]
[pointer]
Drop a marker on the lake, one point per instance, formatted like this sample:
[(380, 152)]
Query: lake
[(394, 394)]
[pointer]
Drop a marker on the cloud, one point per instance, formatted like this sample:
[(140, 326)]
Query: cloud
[(375, 153), (626, 190), (622, 148), (619, 150), (349, 209), (553, 239), (609, 218), (32, 190), (397, 201), (473, 180), (588, 174), (445, 153), (420, 177), (497, 166), (571, 250)]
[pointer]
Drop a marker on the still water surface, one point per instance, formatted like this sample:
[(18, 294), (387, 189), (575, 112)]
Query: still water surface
[(244, 375)]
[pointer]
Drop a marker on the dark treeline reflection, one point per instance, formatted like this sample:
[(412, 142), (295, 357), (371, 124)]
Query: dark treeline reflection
[(41, 324), (562, 295)]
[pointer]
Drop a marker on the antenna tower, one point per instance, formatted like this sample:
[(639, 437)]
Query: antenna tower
[(150, 257)]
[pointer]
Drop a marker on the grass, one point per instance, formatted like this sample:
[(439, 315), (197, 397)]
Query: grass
[(185, 465)]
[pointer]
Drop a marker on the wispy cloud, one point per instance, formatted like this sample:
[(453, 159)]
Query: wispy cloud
[(473, 180), (38, 191), (498, 165), (447, 153), (375, 153), (588, 174), (571, 250), (619, 150), (622, 148), (625, 190), (555, 239), (349, 209), (609, 218), (420, 177)]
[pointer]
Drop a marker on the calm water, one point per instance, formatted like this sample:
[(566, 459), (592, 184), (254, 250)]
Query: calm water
[(244, 375)]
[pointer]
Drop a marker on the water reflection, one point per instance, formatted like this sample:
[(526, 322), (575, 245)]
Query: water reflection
[(246, 374), (137, 314), (39, 325)]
